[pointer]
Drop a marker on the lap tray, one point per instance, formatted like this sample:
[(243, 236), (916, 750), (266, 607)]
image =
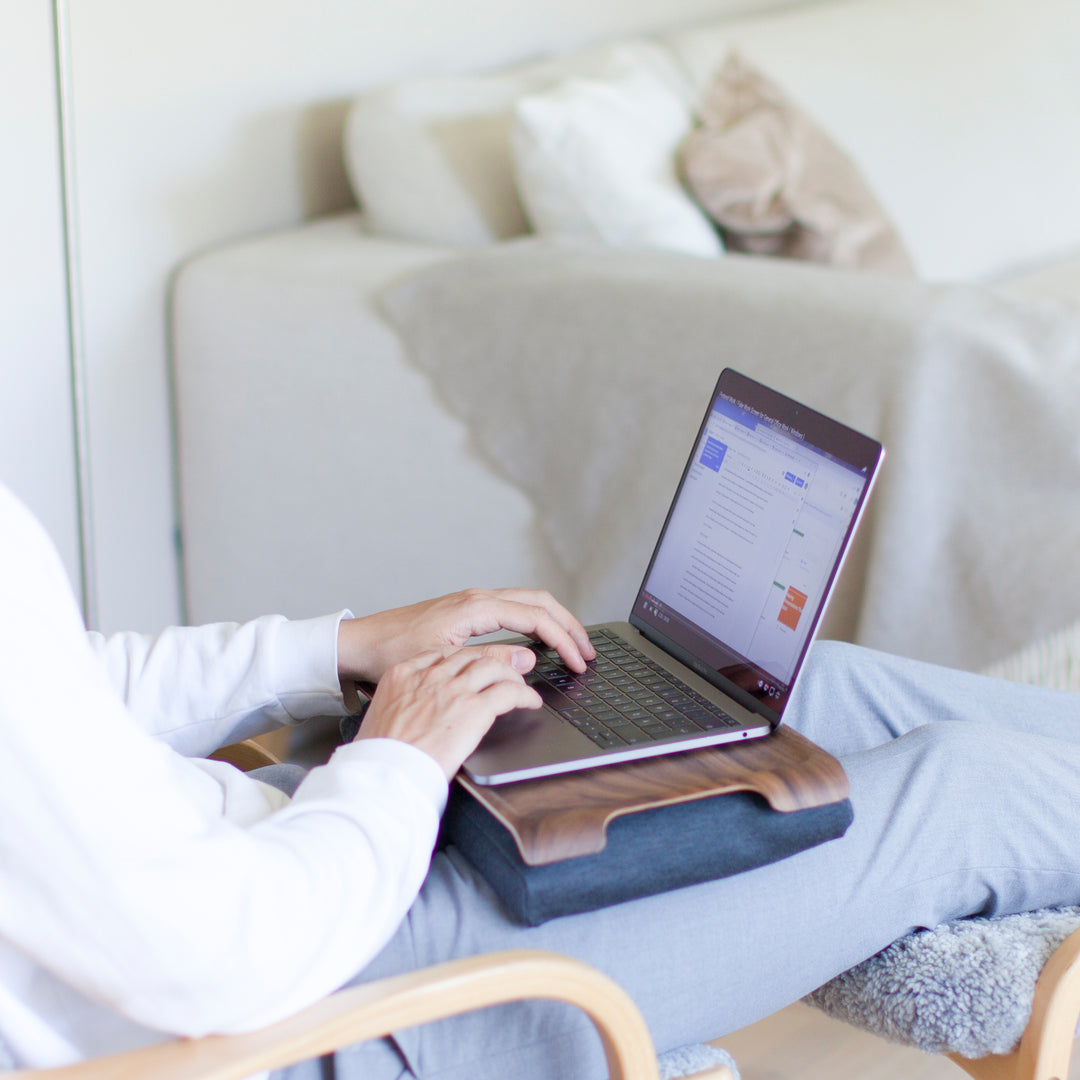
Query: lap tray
[(567, 844)]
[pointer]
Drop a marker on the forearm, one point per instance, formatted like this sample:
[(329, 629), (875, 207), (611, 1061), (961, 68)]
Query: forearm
[(327, 880), (199, 687)]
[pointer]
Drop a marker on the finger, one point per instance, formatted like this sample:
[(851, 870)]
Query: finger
[(472, 666), (431, 664), (481, 671), (424, 660), (537, 621), (483, 709), (517, 656), (562, 615), (501, 697), (534, 612)]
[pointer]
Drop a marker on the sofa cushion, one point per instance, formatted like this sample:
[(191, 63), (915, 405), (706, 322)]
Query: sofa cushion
[(429, 159), (961, 114), (595, 160)]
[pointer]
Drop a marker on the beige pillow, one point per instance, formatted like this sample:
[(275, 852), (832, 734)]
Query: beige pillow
[(776, 184), (430, 159)]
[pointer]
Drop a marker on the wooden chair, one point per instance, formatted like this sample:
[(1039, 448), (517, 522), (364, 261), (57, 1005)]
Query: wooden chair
[(376, 1009)]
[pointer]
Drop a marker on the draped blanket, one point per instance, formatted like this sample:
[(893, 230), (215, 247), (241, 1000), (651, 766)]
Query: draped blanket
[(583, 373)]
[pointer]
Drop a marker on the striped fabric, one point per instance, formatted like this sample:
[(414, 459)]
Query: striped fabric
[(1052, 661)]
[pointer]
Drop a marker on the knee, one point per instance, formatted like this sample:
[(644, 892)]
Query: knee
[(962, 753), (829, 700), (855, 678), (968, 739)]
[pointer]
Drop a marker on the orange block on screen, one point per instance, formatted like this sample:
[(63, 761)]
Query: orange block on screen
[(794, 602)]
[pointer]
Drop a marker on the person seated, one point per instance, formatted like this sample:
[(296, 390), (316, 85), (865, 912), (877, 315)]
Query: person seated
[(148, 893)]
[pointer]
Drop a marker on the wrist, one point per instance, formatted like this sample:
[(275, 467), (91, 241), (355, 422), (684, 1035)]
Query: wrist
[(357, 654), (352, 649)]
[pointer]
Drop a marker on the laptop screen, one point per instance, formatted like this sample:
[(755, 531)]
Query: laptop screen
[(754, 539)]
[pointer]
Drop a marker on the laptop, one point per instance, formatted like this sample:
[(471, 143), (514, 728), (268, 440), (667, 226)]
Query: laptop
[(739, 579)]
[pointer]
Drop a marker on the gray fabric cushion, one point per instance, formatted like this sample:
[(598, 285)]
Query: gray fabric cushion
[(964, 987), (649, 852)]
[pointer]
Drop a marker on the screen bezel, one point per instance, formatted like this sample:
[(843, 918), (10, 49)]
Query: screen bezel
[(736, 675)]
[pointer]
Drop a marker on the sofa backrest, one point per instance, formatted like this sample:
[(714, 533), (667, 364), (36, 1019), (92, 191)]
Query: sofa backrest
[(961, 114)]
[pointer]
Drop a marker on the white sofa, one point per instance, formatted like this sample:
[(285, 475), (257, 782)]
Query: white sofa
[(322, 463)]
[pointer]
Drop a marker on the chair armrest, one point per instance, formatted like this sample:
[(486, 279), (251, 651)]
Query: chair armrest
[(246, 755), (376, 1009)]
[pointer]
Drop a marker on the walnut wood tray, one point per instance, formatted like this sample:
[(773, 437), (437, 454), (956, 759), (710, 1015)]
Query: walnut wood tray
[(561, 817)]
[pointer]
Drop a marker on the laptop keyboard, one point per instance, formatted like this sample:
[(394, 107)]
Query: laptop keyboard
[(624, 698)]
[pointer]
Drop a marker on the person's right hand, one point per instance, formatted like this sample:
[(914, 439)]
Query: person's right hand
[(443, 702), (369, 645)]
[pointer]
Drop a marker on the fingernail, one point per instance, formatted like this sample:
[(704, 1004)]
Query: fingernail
[(522, 659)]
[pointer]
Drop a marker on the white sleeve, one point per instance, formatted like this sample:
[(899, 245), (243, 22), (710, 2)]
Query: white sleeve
[(201, 687), (124, 879)]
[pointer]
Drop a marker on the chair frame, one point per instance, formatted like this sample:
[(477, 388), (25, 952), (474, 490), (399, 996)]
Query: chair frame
[(376, 1009)]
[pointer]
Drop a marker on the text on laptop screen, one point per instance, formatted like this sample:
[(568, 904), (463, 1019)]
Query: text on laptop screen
[(750, 547)]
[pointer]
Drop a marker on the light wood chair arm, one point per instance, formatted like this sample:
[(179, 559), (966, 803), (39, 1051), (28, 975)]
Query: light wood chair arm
[(1046, 1047), (246, 755), (371, 1011)]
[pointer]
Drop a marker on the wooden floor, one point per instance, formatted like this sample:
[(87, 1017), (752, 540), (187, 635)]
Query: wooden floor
[(800, 1043)]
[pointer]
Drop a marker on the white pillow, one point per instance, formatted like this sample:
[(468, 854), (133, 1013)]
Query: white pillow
[(595, 160), (962, 115), (429, 159)]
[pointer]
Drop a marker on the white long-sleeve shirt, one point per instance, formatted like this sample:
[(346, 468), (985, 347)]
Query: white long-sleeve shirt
[(144, 894)]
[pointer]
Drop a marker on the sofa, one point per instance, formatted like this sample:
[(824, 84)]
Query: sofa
[(491, 371)]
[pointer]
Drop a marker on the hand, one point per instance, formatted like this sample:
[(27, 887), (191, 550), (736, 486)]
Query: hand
[(368, 647), (444, 702)]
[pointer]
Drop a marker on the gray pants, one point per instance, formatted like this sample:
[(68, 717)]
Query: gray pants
[(967, 802)]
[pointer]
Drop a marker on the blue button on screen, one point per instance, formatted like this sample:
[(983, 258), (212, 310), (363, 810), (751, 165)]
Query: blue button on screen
[(712, 455)]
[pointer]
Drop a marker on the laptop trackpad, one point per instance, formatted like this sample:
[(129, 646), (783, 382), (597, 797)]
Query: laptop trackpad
[(528, 738)]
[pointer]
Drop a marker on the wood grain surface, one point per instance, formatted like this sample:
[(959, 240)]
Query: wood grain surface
[(561, 817)]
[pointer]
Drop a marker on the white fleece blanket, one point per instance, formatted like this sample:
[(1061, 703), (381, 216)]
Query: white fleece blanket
[(583, 374)]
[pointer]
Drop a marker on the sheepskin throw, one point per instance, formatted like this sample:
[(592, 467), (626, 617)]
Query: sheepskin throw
[(964, 987), (687, 1060)]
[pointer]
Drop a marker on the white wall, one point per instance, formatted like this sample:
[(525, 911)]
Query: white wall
[(195, 123), (36, 439)]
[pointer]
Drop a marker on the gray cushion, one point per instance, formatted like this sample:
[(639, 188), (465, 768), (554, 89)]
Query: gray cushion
[(648, 852)]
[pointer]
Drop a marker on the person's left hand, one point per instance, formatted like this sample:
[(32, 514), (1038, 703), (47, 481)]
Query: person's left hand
[(367, 647), (443, 704)]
